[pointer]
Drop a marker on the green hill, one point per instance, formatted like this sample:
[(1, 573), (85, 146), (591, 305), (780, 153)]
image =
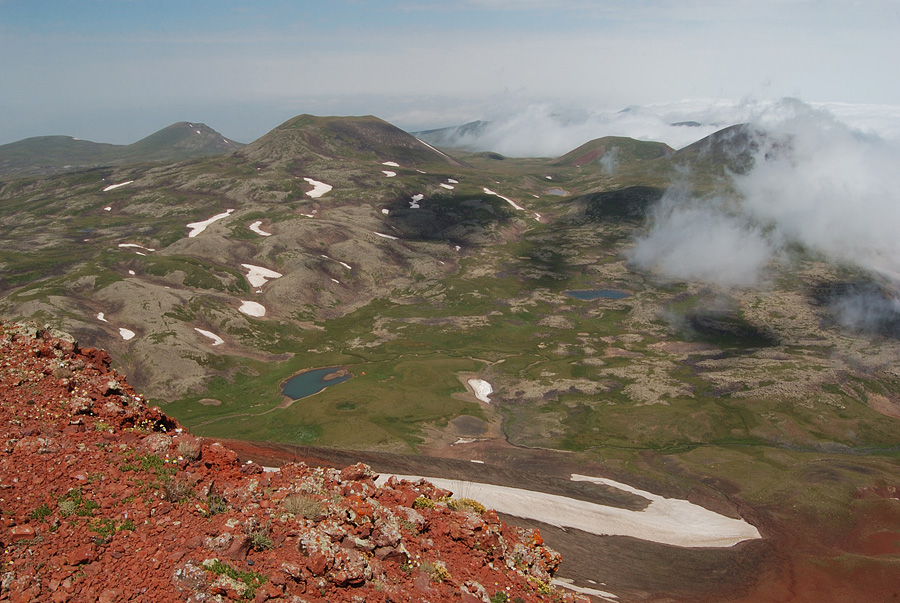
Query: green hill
[(614, 149)]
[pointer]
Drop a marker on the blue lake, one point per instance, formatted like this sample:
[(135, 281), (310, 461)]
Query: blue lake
[(589, 294), (313, 381)]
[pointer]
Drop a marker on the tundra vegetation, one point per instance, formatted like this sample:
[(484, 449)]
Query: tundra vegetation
[(756, 394)]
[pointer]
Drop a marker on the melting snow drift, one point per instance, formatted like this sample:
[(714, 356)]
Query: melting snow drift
[(258, 275), (252, 308), (115, 186), (198, 227), (482, 389), (255, 227), (319, 188), (665, 520), (216, 339), (126, 333)]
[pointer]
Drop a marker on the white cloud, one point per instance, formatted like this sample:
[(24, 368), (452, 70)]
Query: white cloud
[(701, 240), (816, 183)]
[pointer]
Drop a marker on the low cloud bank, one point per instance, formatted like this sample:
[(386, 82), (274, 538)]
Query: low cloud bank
[(551, 130), (816, 184)]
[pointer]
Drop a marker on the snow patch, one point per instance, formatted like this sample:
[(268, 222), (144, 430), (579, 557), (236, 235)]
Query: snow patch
[(569, 584), (389, 173), (258, 275), (115, 186), (255, 228), (131, 272), (386, 236), (100, 317), (135, 245), (107, 208), (447, 186), (216, 339), (482, 389), (452, 181), (198, 227), (390, 163), (126, 333), (667, 521), (508, 200), (386, 211), (319, 188), (252, 308)]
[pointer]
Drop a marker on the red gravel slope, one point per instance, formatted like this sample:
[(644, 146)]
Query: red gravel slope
[(105, 499)]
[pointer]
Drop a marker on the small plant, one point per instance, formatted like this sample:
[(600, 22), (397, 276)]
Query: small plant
[(189, 451), (260, 539), (216, 503), (74, 503), (466, 504), (40, 513), (177, 490), (303, 505), (423, 503), (105, 529), (67, 507), (539, 585), (499, 597), (252, 580), (437, 570)]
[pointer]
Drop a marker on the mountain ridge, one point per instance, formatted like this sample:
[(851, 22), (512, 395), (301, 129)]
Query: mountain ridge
[(47, 155)]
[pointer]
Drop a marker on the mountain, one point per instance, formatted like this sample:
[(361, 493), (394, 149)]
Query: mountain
[(192, 522), (344, 139), (487, 312), (612, 150), (45, 155)]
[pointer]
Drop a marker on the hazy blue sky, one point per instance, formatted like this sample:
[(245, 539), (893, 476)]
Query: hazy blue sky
[(116, 70)]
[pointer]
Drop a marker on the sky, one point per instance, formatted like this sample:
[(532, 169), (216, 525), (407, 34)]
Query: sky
[(118, 70)]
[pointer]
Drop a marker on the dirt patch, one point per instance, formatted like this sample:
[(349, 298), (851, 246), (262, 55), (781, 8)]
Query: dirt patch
[(884, 405), (210, 402)]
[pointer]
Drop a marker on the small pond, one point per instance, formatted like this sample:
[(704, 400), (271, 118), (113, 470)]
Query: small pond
[(589, 294), (312, 382)]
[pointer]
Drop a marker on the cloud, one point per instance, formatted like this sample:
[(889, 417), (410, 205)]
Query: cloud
[(816, 186), (829, 188), (553, 129), (693, 239)]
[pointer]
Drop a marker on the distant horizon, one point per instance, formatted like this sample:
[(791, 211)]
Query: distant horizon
[(551, 129), (116, 70)]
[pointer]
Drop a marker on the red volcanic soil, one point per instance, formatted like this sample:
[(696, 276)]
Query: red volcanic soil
[(799, 559), (105, 499)]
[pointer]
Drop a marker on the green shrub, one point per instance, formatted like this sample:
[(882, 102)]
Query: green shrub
[(41, 512), (423, 502), (466, 504)]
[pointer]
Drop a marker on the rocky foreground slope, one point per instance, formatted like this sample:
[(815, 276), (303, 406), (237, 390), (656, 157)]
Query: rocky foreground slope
[(103, 498)]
